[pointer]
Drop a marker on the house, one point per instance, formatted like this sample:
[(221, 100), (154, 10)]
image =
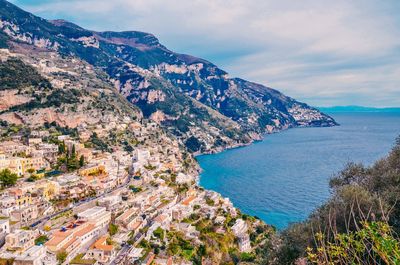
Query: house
[(25, 214), (20, 165), (98, 216), (72, 237), (112, 203), (92, 170), (4, 226), (34, 141), (4, 230), (126, 217), (239, 228), (101, 251), (20, 240), (45, 188), (189, 201), (12, 148), (35, 255)]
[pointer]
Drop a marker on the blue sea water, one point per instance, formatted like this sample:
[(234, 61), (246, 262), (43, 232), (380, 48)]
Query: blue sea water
[(283, 178)]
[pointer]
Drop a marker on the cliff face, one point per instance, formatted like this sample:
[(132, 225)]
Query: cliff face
[(191, 97)]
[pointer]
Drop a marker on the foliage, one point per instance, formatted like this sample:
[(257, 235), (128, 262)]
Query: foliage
[(61, 257), (372, 243), (41, 240), (98, 143), (112, 229), (159, 233), (7, 178), (79, 260), (193, 144), (14, 73)]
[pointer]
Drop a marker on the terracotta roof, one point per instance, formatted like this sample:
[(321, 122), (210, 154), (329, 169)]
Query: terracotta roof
[(85, 230), (188, 200), (127, 214), (54, 241), (136, 225), (101, 244), (160, 218), (70, 242)]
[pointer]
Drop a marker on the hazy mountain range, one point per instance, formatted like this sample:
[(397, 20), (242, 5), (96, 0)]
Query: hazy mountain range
[(191, 97)]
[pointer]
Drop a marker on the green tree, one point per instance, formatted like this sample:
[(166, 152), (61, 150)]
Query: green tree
[(112, 229), (73, 151), (61, 257), (81, 161), (7, 178), (61, 148)]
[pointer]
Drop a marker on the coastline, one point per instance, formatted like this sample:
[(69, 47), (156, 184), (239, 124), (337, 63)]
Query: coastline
[(260, 138)]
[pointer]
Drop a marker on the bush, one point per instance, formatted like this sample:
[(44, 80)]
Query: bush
[(7, 178)]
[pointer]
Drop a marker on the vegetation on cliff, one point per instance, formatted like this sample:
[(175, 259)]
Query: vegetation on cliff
[(360, 224)]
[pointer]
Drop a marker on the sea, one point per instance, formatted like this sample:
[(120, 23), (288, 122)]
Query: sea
[(285, 177)]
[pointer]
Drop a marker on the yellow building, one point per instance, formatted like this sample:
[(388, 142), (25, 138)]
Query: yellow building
[(46, 188), (92, 170), (20, 166), (21, 197)]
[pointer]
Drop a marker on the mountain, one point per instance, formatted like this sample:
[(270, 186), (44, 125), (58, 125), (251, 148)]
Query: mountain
[(191, 97), (356, 109)]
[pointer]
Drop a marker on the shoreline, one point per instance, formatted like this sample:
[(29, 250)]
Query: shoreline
[(242, 145)]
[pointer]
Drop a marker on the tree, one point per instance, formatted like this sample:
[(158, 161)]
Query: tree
[(81, 161), (7, 178), (73, 151), (112, 229), (61, 148), (61, 257)]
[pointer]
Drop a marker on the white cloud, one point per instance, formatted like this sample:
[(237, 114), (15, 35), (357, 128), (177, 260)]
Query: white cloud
[(319, 50)]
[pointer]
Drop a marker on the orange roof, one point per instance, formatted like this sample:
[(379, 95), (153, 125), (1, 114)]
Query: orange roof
[(16, 192), (85, 230), (136, 225), (188, 200), (101, 244), (127, 214), (54, 241), (69, 243), (160, 218)]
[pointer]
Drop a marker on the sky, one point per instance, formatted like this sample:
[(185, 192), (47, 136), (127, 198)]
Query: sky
[(322, 52)]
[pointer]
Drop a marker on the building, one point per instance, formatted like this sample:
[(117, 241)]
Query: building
[(34, 141), (4, 230), (24, 215), (35, 255), (101, 251), (72, 237), (98, 216), (20, 165), (92, 170), (126, 217), (20, 240)]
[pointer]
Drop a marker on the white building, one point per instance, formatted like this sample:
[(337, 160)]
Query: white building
[(99, 216)]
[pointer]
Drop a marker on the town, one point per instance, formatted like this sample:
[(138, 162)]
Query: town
[(67, 198)]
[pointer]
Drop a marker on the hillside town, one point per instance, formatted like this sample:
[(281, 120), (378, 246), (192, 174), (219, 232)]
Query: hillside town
[(64, 201)]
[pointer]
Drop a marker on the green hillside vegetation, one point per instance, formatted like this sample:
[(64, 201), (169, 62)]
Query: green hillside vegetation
[(15, 74)]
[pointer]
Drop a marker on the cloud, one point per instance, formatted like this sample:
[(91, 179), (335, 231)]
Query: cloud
[(324, 52)]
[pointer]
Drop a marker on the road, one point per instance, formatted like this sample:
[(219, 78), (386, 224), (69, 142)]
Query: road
[(121, 255)]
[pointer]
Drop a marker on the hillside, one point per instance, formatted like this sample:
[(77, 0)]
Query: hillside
[(191, 97)]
